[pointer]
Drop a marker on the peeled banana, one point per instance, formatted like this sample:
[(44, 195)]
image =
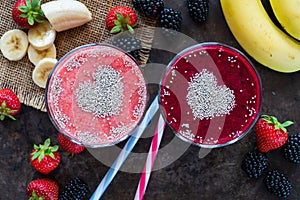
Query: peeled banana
[(64, 15), (42, 36), (259, 37), (14, 44), (42, 70), (288, 14), (35, 55)]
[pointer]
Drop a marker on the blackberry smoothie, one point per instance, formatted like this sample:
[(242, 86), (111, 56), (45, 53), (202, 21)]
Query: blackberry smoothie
[(96, 95), (210, 95)]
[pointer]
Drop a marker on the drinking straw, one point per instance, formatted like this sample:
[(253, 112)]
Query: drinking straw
[(140, 192), (125, 151)]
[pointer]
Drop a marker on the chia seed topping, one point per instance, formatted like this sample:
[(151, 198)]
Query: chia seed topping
[(102, 97), (207, 99)]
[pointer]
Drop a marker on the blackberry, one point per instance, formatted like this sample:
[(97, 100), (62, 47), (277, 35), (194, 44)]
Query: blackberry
[(255, 163), (291, 149), (198, 10), (76, 189), (128, 43), (150, 8), (170, 21), (278, 184)]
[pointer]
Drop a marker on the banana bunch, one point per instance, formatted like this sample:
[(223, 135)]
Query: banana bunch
[(66, 14), (260, 37)]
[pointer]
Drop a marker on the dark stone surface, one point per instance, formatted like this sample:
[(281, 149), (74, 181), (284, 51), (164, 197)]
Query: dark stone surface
[(216, 176)]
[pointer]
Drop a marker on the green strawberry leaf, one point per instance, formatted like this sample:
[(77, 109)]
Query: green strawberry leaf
[(287, 123), (130, 29), (119, 17), (41, 13), (23, 9), (34, 3), (30, 20), (115, 29), (117, 23), (34, 196), (54, 148), (35, 155), (47, 142), (51, 155), (28, 4), (41, 156), (39, 20), (36, 147), (6, 112), (127, 19), (23, 15)]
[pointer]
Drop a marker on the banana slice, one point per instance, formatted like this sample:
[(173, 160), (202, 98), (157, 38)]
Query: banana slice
[(42, 36), (14, 44), (35, 55), (41, 71)]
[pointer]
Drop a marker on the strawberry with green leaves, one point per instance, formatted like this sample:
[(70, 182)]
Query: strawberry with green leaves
[(9, 104), (270, 133), (121, 18), (27, 13), (42, 189), (69, 146), (45, 158)]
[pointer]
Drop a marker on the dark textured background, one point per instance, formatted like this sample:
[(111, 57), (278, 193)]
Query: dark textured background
[(217, 176)]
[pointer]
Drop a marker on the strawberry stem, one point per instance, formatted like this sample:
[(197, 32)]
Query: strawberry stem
[(44, 150), (122, 24), (6, 112), (277, 125), (34, 196), (32, 11)]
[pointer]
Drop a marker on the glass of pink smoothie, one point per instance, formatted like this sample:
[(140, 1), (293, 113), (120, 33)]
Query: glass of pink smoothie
[(96, 95), (210, 95)]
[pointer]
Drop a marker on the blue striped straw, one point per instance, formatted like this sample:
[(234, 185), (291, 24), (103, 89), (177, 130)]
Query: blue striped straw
[(125, 151)]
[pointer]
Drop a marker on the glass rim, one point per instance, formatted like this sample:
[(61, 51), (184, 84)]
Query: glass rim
[(49, 110), (217, 44)]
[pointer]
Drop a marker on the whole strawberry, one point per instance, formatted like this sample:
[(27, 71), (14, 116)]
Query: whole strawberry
[(121, 18), (45, 158), (9, 104), (27, 13), (44, 188), (69, 146), (270, 134)]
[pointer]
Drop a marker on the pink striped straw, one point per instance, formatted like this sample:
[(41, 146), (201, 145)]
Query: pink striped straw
[(140, 192)]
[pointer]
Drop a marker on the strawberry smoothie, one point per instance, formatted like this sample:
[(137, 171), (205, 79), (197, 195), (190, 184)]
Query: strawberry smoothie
[(96, 95), (210, 95)]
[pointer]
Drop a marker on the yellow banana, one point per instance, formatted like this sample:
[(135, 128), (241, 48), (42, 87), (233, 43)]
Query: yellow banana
[(288, 14), (259, 37)]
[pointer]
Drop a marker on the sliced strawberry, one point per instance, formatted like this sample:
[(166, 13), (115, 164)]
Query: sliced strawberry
[(270, 134), (45, 158)]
